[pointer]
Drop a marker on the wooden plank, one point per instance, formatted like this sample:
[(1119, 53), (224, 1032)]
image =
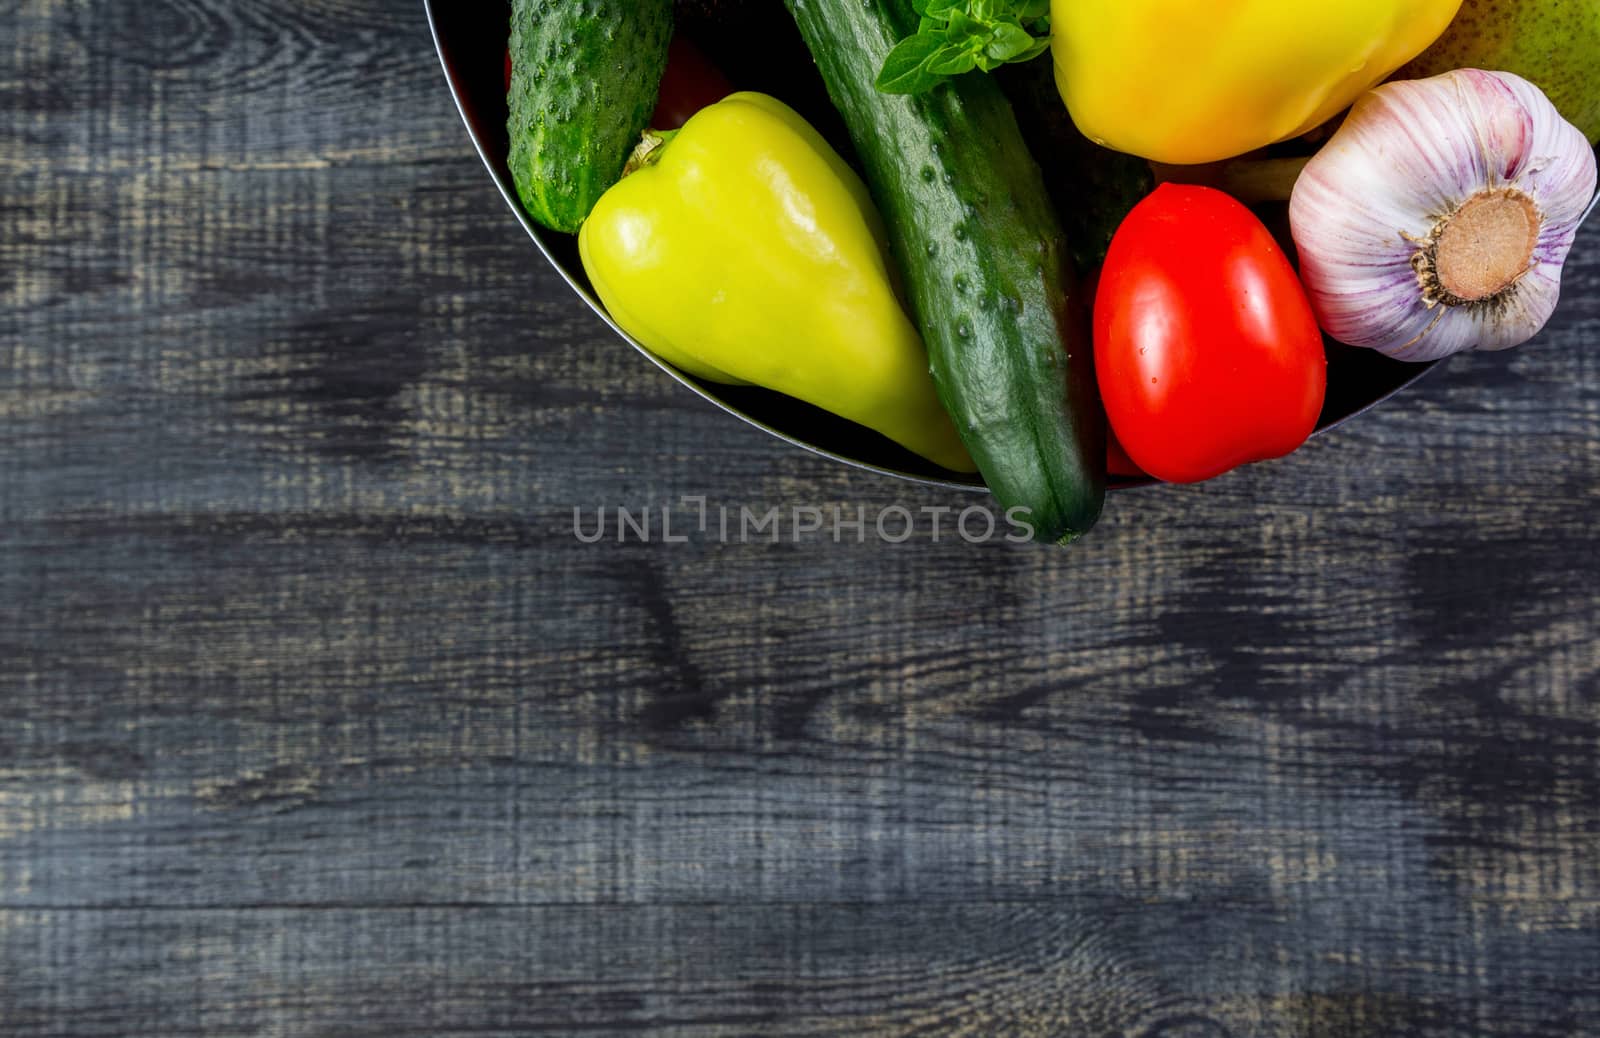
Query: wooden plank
[(316, 717), (1074, 966)]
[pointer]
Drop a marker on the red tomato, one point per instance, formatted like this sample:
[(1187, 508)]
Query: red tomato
[(1206, 348), (1117, 461), (691, 83)]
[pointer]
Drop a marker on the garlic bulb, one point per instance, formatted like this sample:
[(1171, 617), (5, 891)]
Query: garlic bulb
[(1438, 217)]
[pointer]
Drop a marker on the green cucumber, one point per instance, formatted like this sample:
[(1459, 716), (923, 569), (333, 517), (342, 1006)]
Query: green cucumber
[(585, 78), (987, 271)]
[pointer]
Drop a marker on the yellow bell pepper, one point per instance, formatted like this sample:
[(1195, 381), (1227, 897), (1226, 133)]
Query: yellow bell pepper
[(1182, 81), (745, 250)]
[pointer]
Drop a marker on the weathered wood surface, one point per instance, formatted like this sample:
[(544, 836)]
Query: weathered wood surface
[(315, 718)]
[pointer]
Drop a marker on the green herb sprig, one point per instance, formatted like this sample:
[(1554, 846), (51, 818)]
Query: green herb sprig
[(958, 36)]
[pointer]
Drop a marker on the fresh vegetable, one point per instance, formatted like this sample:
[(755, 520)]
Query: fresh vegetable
[(1186, 82), (987, 271), (1207, 351), (584, 81), (1117, 461), (1438, 218), (690, 83), (743, 249), (1554, 44), (957, 36)]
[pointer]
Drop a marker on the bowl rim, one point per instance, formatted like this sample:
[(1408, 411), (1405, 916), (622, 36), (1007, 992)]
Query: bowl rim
[(535, 232), (973, 484)]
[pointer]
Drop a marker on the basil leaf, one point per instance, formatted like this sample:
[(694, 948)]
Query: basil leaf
[(954, 37), (962, 24), (1008, 41), (904, 70), (1038, 48), (951, 60)]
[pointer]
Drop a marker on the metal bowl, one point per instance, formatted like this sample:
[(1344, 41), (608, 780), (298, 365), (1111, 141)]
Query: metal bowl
[(471, 40)]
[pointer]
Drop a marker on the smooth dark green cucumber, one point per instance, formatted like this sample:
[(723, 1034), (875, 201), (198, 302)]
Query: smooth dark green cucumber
[(585, 78), (987, 271)]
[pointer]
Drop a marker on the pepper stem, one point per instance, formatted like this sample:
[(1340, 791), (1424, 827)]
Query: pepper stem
[(648, 150), (1248, 180)]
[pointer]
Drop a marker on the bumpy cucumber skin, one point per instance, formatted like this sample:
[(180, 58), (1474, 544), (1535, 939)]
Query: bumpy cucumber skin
[(585, 78), (986, 266)]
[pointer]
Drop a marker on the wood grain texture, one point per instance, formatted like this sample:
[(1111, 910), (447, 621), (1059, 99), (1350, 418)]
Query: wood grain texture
[(316, 719)]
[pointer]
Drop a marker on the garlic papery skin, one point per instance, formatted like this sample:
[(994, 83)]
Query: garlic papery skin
[(1437, 219)]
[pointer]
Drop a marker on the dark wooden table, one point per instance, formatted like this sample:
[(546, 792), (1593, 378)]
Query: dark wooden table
[(316, 718)]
